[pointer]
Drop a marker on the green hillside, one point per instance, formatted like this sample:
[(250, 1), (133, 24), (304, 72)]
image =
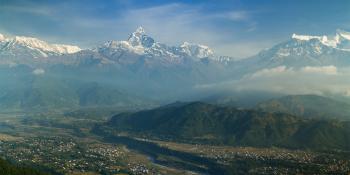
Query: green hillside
[(205, 123)]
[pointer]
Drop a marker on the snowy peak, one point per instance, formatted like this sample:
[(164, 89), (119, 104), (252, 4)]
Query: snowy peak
[(139, 38), (140, 41), (196, 50), (66, 49), (325, 40), (339, 41), (29, 46), (140, 31), (343, 34), (2, 37), (308, 50), (35, 43), (305, 37), (136, 37), (141, 44)]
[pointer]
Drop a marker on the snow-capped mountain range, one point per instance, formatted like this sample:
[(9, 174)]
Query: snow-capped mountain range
[(140, 48), (339, 41), (142, 66), (33, 46), (140, 44), (305, 50), (318, 44)]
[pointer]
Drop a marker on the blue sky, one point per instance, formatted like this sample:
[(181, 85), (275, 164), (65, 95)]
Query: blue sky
[(235, 28)]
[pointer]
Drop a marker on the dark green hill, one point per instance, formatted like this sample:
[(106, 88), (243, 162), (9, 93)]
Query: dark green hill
[(309, 106), (9, 169), (205, 123)]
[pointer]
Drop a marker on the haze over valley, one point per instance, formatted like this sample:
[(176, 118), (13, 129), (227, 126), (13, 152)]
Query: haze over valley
[(174, 88)]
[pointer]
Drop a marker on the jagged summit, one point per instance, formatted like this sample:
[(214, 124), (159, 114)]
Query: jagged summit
[(312, 45), (142, 44), (139, 48), (343, 33), (29, 47), (196, 50), (140, 30), (335, 41), (139, 38), (308, 50), (44, 46)]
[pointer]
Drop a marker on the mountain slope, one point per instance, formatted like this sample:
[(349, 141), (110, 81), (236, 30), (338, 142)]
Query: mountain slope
[(28, 50), (23, 90), (302, 51), (200, 122), (140, 44), (308, 106), (143, 66), (94, 94), (138, 48)]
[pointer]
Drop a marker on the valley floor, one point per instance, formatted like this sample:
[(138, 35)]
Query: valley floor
[(65, 145)]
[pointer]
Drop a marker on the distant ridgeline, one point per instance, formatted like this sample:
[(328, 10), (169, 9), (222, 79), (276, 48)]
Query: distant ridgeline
[(205, 123), (308, 106), (37, 75)]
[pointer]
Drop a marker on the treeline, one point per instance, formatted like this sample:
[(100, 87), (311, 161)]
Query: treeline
[(6, 168)]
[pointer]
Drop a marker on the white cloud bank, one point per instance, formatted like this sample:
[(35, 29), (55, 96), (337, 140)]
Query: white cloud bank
[(306, 80), (270, 72), (38, 71), (330, 70), (327, 70)]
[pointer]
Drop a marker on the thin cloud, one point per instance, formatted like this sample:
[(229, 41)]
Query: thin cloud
[(238, 16), (270, 72), (174, 23), (171, 23), (39, 10), (307, 80), (330, 70), (316, 80)]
